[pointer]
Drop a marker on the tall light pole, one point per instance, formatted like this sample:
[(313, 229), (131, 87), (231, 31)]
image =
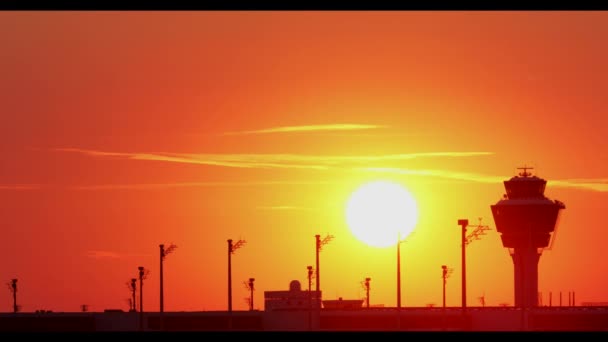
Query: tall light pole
[(310, 275), (399, 273), (231, 249), (444, 276), (143, 273), (251, 289), (465, 240), (162, 295), (319, 246), (399, 242), (163, 253), (463, 224), (133, 288), (446, 272), (13, 287), (366, 284)]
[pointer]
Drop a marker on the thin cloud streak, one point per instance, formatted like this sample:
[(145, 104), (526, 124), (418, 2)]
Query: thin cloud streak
[(586, 180), (308, 128), (98, 254), (208, 160), (153, 186), (439, 173), (282, 208), (19, 186), (103, 255), (600, 185), (269, 161), (93, 152)]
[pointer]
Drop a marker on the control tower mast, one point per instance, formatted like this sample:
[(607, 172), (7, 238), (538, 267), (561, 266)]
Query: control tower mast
[(526, 220)]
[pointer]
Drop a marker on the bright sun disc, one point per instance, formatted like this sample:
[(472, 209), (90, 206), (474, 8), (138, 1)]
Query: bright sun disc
[(380, 212)]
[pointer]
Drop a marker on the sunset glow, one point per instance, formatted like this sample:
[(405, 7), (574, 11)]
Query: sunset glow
[(125, 130)]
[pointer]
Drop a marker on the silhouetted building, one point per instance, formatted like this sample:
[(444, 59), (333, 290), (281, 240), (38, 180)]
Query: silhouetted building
[(526, 220), (603, 304), (343, 304), (293, 299)]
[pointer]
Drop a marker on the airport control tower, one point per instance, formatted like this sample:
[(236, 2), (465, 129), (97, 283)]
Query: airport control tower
[(526, 219)]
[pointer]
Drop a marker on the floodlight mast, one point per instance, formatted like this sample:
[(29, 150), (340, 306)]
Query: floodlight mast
[(463, 224), (163, 254), (231, 249), (465, 240), (367, 287), (251, 289), (143, 274), (399, 241), (310, 276), (446, 272), (12, 285), (319, 246), (132, 285)]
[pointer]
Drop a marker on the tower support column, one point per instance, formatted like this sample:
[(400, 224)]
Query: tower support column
[(525, 262)]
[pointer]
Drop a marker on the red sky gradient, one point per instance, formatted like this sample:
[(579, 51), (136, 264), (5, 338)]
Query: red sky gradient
[(114, 139)]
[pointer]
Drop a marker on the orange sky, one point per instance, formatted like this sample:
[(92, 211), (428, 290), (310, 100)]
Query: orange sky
[(114, 140)]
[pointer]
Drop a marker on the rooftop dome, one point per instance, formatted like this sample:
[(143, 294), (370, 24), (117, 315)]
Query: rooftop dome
[(295, 285)]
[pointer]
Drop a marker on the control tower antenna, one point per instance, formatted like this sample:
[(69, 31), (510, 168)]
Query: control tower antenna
[(525, 173)]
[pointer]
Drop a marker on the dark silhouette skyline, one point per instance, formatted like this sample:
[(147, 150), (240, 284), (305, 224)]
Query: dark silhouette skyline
[(527, 209), (120, 135), (517, 225)]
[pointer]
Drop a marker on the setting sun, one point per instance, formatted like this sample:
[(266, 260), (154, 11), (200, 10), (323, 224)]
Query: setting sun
[(380, 212)]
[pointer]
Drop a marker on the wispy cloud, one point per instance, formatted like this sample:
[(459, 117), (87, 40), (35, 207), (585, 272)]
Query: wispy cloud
[(439, 173), (268, 161), (153, 186), (94, 152), (309, 128), (98, 254), (283, 208), (599, 184), (19, 186), (103, 255), (311, 162)]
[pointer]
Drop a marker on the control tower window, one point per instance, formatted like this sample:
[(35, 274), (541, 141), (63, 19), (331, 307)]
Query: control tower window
[(525, 189)]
